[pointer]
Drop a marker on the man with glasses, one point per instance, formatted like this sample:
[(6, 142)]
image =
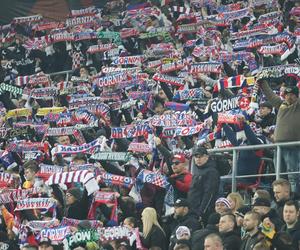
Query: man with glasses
[(181, 179), (205, 184)]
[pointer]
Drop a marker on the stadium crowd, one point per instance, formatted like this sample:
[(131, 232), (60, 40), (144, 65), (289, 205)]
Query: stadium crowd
[(107, 120)]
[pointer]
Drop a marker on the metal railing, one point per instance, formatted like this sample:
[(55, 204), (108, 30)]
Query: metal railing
[(65, 72), (235, 150)]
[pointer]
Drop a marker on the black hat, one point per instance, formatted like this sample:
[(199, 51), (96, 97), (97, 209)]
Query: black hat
[(45, 241), (266, 104), (213, 219), (242, 211), (294, 90), (262, 202), (181, 203), (76, 192), (199, 150)]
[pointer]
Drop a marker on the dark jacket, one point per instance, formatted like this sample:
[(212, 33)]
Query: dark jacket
[(204, 189), (198, 236), (274, 218), (268, 120), (249, 242), (156, 238), (189, 220), (249, 160), (294, 233), (79, 209), (231, 240)]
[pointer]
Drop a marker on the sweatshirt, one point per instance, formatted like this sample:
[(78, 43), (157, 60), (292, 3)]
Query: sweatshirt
[(288, 117)]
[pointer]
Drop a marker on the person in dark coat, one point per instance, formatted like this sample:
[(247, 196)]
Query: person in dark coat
[(292, 223), (198, 236), (229, 234), (205, 184), (182, 217), (263, 207), (77, 204), (153, 234)]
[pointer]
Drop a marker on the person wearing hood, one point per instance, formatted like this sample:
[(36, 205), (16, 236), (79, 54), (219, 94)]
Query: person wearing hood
[(77, 204)]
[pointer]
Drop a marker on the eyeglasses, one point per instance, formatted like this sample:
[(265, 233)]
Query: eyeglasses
[(68, 195), (176, 162)]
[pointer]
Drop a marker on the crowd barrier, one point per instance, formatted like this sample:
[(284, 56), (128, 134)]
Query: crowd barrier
[(277, 162)]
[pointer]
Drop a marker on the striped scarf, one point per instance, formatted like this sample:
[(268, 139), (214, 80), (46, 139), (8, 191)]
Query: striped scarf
[(84, 176), (233, 82)]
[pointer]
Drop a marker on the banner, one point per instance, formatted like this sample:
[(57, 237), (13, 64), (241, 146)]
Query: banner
[(116, 180), (130, 131), (176, 81), (205, 67), (35, 203), (110, 80), (111, 156), (100, 48), (129, 60), (139, 147), (221, 105), (186, 131), (55, 234), (172, 120)]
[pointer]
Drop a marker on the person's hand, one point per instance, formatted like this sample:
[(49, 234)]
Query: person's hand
[(268, 228), (171, 181), (157, 141)]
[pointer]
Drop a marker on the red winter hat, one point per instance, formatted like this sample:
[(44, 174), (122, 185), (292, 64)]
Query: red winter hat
[(179, 157)]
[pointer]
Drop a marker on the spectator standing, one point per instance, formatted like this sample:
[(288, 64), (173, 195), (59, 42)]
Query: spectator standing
[(181, 179), (287, 127), (205, 184)]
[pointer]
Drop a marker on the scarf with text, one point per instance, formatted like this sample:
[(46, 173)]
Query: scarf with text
[(104, 198), (188, 94), (139, 147), (39, 225), (74, 223), (157, 179), (56, 234), (110, 156), (176, 81), (86, 147), (205, 67), (35, 203), (115, 180), (173, 120), (14, 195)]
